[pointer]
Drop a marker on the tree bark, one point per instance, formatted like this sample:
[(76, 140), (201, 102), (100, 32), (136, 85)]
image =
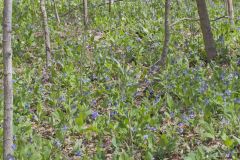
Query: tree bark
[(85, 13), (110, 5), (56, 11), (162, 60), (46, 33), (229, 7), (206, 30), (8, 87)]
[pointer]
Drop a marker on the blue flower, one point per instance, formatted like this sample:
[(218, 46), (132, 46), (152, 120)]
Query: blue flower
[(94, 102), (62, 98), (14, 146), (14, 138), (192, 115), (151, 128), (145, 137), (133, 129), (172, 114), (64, 128), (228, 92), (229, 155), (212, 3), (203, 88), (107, 78), (237, 101), (27, 106), (222, 76), (185, 117), (95, 115), (78, 153), (85, 80), (238, 62), (236, 75), (139, 39), (85, 93), (57, 143), (185, 72), (10, 157), (73, 107), (180, 130), (129, 48), (157, 99), (206, 101), (108, 87), (224, 121), (181, 125), (113, 113)]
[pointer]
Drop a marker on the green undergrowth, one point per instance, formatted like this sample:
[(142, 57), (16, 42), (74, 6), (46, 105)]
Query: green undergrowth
[(92, 106)]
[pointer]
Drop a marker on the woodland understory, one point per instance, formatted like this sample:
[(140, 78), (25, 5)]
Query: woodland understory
[(97, 100)]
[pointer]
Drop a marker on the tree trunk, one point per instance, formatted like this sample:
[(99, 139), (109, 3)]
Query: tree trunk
[(229, 7), (56, 11), (110, 5), (85, 12), (8, 87), (162, 60), (206, 30), (46, 33)]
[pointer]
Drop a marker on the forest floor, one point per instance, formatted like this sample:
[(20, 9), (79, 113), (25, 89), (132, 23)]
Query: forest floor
[(99, 101)]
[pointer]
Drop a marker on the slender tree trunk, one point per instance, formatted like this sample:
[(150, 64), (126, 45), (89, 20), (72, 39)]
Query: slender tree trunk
[(8, 87), (46, 33), (85, 12), (56, 11), (206, 30), (110, 5), (229, 7), (162, 60)]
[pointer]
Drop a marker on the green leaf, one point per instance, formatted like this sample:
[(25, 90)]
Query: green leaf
[(208, 135), (237, 139), (170, 101), (229, 142)]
